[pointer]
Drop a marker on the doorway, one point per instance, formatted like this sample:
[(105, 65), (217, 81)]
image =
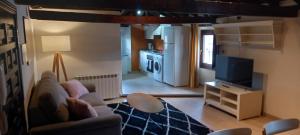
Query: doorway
[(143, 60)]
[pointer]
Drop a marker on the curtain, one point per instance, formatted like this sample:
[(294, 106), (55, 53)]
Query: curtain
[(194, 60)]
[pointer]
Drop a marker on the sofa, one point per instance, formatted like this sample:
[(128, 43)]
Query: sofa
[(48, 112)]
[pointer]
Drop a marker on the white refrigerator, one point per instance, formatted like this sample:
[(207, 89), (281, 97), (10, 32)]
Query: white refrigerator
[(176, 55)]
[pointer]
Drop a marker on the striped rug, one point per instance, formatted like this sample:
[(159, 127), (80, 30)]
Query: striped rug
[(170, 121)]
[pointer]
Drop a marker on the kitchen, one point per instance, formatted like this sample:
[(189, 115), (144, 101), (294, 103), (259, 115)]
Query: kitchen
[(155, 60)]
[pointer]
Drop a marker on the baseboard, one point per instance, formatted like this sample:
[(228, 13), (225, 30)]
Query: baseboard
[(270, 115), (172, 95)]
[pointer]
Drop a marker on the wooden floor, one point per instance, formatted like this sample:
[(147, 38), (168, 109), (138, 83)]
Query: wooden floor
[(214, 118), (137, 82)]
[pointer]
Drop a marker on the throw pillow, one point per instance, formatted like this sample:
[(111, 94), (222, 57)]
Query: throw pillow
[(51, 98), (80, 109), (75, 88)]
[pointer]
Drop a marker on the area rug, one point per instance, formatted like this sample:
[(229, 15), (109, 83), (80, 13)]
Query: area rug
[(171, 121)]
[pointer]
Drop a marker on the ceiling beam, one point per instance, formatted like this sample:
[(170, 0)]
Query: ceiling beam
[(100, 18), (246, 9), (176, 6)]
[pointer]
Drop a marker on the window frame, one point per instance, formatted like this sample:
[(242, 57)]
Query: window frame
[(205, 65)]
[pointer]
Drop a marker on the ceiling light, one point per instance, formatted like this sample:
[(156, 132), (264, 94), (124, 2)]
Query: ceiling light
[(160, 15), (139, 12)]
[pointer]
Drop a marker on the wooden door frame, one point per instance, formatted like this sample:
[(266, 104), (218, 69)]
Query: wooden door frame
[(202, 33)]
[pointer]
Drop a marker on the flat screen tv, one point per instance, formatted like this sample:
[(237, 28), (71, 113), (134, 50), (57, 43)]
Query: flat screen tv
[(234, 70)]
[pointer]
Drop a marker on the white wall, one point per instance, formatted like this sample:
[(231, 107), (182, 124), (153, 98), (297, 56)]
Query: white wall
[(282, 70), (96, 47)]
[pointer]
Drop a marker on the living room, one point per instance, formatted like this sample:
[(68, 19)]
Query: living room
[(49, 48)]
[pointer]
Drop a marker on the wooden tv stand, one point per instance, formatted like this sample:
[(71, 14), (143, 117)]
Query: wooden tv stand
[(239, 102)]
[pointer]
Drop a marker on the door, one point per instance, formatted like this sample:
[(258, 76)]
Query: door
[(157, 67)]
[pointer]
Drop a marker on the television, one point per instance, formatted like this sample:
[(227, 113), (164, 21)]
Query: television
[(234, 70)]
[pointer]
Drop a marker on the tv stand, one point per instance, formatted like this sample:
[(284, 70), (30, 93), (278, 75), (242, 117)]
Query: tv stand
[(239, 102), (226, 86)]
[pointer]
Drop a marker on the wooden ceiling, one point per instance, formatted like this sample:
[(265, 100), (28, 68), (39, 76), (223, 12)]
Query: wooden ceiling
[(183, 9)]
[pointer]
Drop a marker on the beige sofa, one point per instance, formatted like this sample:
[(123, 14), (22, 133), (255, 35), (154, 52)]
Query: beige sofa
[(48, 115)]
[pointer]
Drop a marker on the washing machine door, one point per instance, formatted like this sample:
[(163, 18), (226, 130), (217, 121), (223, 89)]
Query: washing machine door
[(157, 67)]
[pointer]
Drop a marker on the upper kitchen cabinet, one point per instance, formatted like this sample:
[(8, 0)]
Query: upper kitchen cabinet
[(151, 30), (260, 34)]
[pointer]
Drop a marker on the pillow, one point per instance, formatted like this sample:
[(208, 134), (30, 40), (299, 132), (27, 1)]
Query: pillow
[(75, 88), (51, 98), (80, 109)]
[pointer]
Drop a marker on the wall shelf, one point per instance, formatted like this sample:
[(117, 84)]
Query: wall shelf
[(237, 101), (256, 34)]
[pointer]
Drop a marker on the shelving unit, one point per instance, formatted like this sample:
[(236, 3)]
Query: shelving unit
[(237, 101), (264, 34)]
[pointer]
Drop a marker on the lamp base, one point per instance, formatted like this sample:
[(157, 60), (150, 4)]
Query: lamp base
[(56, 61)]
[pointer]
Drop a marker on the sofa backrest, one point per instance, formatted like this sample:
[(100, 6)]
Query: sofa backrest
[(48, 102)]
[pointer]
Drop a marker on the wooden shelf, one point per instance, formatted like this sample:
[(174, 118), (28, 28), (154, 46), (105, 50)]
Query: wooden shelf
[(213, 102), (6, 48), (257, 34), (225, 34), (228, 43), (229, 100), (213, 93), (266, 33), (237, 101), (229, 109), (258, 43)]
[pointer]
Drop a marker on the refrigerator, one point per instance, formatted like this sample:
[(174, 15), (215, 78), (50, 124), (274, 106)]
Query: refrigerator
[(176, 55)]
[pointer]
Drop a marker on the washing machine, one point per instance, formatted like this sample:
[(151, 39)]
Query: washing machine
[(158, 67)]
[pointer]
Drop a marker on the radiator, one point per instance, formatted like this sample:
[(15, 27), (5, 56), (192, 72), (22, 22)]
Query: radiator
[(107, 86)]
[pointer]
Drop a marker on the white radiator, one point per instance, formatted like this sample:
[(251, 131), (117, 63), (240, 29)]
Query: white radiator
[(107, 86)]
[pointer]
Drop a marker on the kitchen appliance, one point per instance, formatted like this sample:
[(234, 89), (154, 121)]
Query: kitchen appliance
[(150, 46), (158, 67), (150, 63), (176, 55)]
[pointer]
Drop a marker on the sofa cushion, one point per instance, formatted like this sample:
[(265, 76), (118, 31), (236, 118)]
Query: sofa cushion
[(52, 100), (48, 75), (92, 99), (81, 109), (103, 111), (75, 88)]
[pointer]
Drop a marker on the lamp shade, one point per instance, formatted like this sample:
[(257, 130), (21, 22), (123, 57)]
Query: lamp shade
[(56, 43)]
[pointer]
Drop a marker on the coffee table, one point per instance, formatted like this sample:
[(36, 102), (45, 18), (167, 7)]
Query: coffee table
[(145, 103)]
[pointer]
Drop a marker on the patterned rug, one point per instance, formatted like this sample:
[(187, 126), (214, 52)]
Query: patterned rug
[(171, 121)]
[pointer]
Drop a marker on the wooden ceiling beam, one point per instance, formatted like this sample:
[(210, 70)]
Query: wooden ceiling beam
[(247, 9), (176, 6), (100, 18)]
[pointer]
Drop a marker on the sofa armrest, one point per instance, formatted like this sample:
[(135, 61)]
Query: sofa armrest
[(91, 87), (110, 125)]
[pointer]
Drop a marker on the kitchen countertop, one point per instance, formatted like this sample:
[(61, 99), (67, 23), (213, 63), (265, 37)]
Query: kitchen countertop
[(153, 51)]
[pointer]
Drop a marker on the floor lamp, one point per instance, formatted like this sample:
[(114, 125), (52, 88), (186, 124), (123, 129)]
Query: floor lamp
[(57, 44)]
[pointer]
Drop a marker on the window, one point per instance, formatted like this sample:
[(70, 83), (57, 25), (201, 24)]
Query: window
[(207, 46)]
